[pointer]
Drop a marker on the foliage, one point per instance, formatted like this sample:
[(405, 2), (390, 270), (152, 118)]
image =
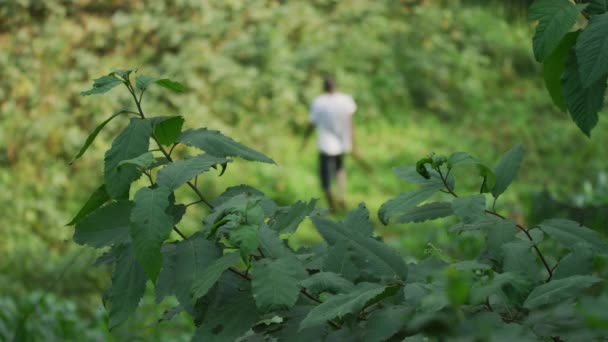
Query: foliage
[(237, 277), (571, 40)]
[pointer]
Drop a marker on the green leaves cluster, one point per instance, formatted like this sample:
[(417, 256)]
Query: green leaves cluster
[(571, 41), (238, 278)]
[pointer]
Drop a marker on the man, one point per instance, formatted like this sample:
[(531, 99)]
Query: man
[(332, 115)]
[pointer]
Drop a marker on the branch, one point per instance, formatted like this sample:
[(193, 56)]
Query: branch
[(160, 146)]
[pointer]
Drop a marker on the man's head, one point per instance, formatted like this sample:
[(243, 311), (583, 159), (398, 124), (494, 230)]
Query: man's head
[(329, 85)]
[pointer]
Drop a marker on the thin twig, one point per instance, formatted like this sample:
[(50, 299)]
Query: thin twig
[(445, 183)]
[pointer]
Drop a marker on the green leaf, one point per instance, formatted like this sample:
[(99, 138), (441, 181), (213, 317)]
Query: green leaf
[(143, 82), (556, 18), (102, 85), (290, 330), (96, 200), (470, 209), (498, 284), (219, 145), (577, 262), (384, 323), (553, 69), (461, 158), (205, 280), (229, 320), (373, 258), (520, 259), (132, 142), (592, 51), (105, 226), (143, 162), (171, 85), (245, 237), (180, 172), (410, 175), (559, 290), (343, 304), (583, 103), (404, 202), (326, 282), (507, 168), (570, 233), (339, 259), (287, 221), (358, 220), (499, 234), (597, 7), (183, 262), (425, 212), (168, 130), (275, 283), (150, 226), (124, 73), (128, 287), (93, 135), (271, 245)]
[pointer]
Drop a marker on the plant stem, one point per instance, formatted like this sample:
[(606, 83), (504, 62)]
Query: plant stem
[(160, 146), (445, 183)]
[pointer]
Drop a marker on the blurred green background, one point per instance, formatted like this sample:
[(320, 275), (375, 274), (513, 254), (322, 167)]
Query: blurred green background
[(428, 76)]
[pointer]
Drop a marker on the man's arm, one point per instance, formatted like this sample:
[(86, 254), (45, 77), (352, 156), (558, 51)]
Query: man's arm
[(309, 129)]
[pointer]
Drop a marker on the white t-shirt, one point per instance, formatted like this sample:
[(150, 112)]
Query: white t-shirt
[(332, 114)]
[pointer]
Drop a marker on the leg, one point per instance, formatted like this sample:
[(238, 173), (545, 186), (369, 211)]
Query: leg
[(325, 171), (341, 181)]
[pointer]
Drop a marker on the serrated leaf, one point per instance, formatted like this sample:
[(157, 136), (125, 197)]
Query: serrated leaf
[(507, 168), (553, 69), (583, 103), (559, 290), (168, 130), (93, 135), (150, 226), (410, 175), (577, 262), (339, 259), (236, 315), (183, 262), (271, 245), (358, 220), (425, 212), (519, 259), (291, 332), (404, 202), (171, 85), (556, 18), (245, 237), (212, 273), (143, 82), (499, 234), (570, 233), (384, 323), (275, 283), (342, 304), (102, 85), (597, 7), (461, 158), (128, 287), (180, 172), (287, 221), (98, 198), (371, 256), (497, 285), (130, 143), (326, 282), (143, 162), (105, 226), (219, 145), (592, 51), (470, 209)]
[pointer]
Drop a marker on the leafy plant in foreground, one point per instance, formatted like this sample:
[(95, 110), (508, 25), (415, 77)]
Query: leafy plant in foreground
[(571, 41), (238, 279)]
